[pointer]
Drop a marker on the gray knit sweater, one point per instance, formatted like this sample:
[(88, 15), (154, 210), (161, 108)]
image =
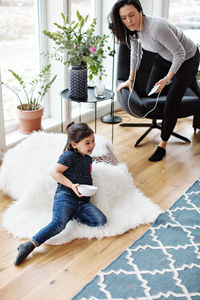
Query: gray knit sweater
[(161, 37)]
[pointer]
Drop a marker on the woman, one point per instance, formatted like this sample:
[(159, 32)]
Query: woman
[(174, 68)]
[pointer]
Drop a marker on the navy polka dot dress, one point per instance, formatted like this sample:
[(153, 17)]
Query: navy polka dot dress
[(80, 169)]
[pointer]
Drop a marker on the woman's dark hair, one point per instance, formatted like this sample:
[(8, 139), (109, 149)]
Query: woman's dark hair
[(75, 133), (114, 21)]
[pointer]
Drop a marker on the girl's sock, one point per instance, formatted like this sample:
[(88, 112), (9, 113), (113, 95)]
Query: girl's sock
[(24, 250)]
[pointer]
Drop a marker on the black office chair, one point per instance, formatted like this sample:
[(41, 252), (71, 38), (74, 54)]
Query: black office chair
[(140, 103)]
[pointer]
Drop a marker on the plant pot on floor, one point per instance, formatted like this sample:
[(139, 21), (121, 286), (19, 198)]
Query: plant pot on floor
[(78, 82), (29, 120)]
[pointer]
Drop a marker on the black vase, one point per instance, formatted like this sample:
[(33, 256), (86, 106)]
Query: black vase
[(78, 83)]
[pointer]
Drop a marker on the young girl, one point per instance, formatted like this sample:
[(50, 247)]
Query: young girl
[(73, 168)]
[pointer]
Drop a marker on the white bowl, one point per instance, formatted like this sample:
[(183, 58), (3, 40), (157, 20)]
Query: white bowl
[(87, 190)]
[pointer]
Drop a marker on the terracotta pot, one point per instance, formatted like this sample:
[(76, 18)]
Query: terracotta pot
[(29, 120)]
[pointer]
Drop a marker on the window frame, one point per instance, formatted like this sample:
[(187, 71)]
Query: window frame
[(2, 129), (13, 124), (48, 12)]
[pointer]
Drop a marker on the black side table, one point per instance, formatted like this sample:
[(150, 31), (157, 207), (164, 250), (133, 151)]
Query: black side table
[(90, 99)]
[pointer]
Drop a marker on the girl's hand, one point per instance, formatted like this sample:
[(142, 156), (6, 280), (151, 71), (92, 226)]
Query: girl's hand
[(74, 187), (128, 83)]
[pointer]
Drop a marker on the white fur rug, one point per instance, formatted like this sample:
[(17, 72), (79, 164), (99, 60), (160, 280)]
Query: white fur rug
[(25, 177)]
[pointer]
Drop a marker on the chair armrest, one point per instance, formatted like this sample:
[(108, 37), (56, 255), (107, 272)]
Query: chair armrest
[(132, 104), (189, 92)]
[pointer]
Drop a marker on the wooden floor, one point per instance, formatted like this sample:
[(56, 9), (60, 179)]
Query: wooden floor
[(59, 272)]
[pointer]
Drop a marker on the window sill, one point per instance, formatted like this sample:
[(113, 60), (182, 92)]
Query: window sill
[(15, 136), (54, 125)]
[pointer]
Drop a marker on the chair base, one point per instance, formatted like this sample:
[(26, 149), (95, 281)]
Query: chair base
[(152, 125), (196, 122), (111, 119)]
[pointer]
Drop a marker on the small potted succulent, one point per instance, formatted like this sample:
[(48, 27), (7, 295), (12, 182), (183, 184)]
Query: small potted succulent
[(30, 109)]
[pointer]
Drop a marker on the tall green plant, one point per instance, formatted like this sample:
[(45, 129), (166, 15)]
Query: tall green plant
[(34, 91)]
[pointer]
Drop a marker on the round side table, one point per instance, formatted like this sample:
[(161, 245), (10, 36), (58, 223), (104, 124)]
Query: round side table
[(90, 99)]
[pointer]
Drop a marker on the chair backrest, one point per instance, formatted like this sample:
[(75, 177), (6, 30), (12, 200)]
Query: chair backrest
[(123, 68)]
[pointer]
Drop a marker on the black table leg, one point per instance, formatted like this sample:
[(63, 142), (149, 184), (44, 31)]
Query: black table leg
[(95, 111), (79, 112), (61, 112)]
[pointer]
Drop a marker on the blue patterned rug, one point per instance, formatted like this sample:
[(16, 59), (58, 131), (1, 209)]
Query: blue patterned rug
[(163, 264)]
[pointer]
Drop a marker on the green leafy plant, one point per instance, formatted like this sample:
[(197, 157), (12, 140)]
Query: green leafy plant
[(77, 46), (34, 91)]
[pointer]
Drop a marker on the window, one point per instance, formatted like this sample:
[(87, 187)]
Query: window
[(94, 8), (186, 15), (18, 50), (22, 41), (85, 8)]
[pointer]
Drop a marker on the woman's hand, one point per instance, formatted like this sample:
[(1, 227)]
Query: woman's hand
[(74, 187), (162, 83), (128, 83)]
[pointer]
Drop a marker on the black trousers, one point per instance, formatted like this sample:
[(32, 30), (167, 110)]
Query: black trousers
[(184, 78)]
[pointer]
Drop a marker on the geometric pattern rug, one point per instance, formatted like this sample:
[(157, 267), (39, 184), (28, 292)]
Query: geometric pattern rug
[(163, 264)]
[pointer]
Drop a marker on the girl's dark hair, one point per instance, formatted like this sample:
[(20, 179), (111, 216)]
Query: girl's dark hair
[(115, 24), (75, 133)]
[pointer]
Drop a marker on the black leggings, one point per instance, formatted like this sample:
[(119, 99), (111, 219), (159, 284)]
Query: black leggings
[(184, 78)]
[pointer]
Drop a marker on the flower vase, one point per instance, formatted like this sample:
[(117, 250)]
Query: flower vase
[(78, 83), (99, 88)]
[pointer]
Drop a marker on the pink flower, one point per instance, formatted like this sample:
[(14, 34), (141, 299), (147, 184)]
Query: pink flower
[(93, 49)]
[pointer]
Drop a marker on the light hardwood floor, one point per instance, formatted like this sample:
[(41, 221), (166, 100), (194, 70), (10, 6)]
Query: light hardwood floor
[(59, 272)]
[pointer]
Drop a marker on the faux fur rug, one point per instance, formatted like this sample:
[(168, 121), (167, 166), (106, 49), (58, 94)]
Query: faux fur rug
[(25, 177)]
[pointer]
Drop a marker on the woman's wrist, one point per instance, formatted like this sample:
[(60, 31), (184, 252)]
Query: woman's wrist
[(167, 80), (131, 75)]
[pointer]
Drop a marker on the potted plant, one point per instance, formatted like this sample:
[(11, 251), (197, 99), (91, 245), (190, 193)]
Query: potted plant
[(30, 109), (81, 49)]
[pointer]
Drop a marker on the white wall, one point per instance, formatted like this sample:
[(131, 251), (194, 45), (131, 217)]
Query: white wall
[(106, 8)]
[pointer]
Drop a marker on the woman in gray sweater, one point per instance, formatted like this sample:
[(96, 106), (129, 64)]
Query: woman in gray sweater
[(176, 62)]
